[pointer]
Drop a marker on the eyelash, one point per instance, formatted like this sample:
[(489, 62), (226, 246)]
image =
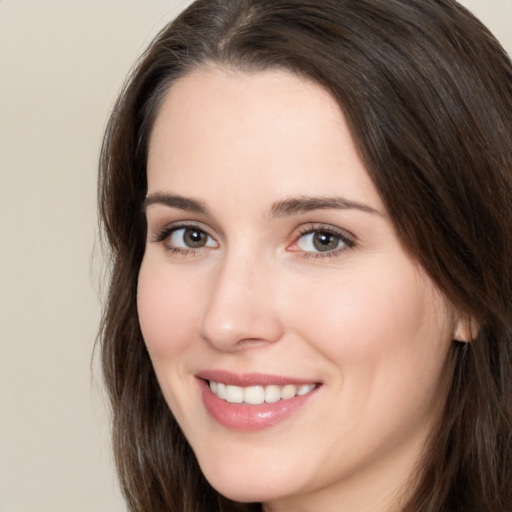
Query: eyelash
[(346, 240), (167, 231)]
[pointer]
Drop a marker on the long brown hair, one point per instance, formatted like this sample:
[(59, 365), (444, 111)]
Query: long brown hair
[(427, 93)]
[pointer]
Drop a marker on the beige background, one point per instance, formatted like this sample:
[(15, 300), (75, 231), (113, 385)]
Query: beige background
[(61, 65)]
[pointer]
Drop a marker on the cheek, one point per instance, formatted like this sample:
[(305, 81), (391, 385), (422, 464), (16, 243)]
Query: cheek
[(377, 325), (164, 304), (386, 339)]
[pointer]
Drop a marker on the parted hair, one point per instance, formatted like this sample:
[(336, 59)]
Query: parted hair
[(427, 93)]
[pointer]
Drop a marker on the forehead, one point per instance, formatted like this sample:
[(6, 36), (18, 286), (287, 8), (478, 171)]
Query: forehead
[(219, 102), (221, 127)]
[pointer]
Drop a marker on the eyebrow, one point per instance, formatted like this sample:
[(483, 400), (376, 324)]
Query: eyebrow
[(303, 204), (283, 208), (174, 201)]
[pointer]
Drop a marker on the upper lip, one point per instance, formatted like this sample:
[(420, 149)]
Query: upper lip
[(249, 379)]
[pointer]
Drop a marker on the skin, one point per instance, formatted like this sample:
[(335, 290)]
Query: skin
[(363, 319)]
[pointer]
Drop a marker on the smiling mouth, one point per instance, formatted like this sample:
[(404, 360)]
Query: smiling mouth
[(250, 402), (257, 395)]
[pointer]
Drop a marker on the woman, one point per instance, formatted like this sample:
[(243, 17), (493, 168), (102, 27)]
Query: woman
[(309, 210)]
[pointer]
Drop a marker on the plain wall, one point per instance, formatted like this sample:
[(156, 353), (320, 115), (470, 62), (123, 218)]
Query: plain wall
[(61, 65)]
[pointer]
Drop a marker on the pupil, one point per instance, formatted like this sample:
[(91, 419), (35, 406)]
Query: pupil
[(325, 241), (194, 238)]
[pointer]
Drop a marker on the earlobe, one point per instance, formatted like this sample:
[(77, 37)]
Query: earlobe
[(466, 330)]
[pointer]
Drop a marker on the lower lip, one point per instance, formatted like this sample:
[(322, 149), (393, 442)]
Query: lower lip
[(246, 417)]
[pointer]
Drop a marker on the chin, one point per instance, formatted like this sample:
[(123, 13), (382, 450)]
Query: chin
[(246, 487)]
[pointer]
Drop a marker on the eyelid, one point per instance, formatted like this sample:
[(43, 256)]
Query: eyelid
[(348, 239), (160, 235)]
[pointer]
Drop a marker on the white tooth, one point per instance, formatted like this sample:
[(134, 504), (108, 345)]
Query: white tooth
[(221, 390), (234, 394), (288, 391), (303, 390), (272, 394), (254, 395), (213, 386)]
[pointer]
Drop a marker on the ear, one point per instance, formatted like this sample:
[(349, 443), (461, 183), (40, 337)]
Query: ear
[(466, 329)]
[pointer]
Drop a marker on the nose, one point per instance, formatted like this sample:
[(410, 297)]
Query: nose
[(241, 309)]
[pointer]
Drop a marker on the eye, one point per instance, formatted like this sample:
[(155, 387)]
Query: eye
[(190, 238), (184, 239), (321, 241)]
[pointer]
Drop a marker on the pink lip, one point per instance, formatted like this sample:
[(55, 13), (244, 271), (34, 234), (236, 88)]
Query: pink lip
[(249, 379), (246, 417)]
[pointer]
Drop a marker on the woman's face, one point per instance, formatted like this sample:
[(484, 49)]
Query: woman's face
[(272, 274)]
